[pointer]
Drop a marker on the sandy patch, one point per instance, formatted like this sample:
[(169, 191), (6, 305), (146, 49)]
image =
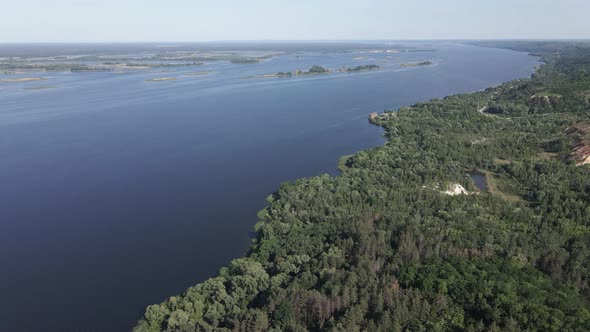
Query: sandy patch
[(199, 73), (21, 79), (161, 79), (455, 189)]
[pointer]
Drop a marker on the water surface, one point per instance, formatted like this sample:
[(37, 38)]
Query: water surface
[(117, 193), (479, 180)]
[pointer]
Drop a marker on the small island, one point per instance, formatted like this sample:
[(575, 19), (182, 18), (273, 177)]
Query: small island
[(417, 64), (279, 74), (316, 70), (122, 61), (241, 59), (313, 70), (361, 68), (21, 79)]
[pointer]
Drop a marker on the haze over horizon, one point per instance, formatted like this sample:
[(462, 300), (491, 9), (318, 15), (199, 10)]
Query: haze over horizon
[(186, 21)]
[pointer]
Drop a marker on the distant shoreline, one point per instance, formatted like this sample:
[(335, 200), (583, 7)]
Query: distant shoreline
[(21, 79)]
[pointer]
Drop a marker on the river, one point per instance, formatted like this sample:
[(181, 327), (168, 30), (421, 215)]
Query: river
[(116, 193)]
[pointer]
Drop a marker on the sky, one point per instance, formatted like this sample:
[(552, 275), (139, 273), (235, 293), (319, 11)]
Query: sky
[(211, 20)]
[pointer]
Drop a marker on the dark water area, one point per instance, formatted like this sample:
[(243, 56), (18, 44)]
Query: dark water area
[(479, 180), (117, 193)]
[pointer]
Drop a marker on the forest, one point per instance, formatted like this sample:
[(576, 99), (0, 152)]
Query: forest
[(382, 247)]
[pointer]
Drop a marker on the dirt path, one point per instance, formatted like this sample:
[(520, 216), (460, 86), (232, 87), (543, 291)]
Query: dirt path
[(483, 111)]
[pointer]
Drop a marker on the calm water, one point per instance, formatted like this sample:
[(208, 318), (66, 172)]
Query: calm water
[(479, 180), (116, 193)]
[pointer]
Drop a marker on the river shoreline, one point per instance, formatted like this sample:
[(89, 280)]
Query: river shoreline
[(264, 215), (176, 164)]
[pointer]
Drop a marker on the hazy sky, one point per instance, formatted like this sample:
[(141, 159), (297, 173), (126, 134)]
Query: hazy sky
[(201, 20)]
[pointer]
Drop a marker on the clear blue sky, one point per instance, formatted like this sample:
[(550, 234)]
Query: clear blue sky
[(203, 20)]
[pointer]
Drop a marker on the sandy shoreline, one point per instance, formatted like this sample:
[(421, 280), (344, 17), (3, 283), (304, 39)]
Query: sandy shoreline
[(199, 73), (21, 79), (161, 79)]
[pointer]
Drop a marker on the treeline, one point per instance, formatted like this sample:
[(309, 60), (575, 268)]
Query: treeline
[(380, 248)]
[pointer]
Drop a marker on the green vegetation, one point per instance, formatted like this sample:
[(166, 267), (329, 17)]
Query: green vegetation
[(73, 67), (176, 56), (317, 70), (81, 67), (361, 68), (313, 70), (105, 62), (416, 64), (378, 249), (240, 59), (279, 74), (344, 161)]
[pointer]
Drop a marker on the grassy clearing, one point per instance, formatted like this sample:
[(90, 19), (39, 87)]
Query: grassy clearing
[(498, 161), (496, 187), (546, 155)]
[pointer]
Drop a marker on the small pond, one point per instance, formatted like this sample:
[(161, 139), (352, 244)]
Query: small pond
[(480, 181)]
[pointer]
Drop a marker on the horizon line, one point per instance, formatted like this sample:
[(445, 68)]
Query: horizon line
[(295, 40)]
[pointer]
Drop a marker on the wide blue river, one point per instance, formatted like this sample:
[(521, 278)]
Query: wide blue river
[(116, 193)]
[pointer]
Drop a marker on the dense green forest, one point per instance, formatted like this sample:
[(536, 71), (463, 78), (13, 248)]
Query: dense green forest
[(383, 248)]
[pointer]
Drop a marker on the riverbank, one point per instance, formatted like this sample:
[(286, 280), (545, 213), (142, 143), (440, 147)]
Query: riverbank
[(173, 187), (334, 252)]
